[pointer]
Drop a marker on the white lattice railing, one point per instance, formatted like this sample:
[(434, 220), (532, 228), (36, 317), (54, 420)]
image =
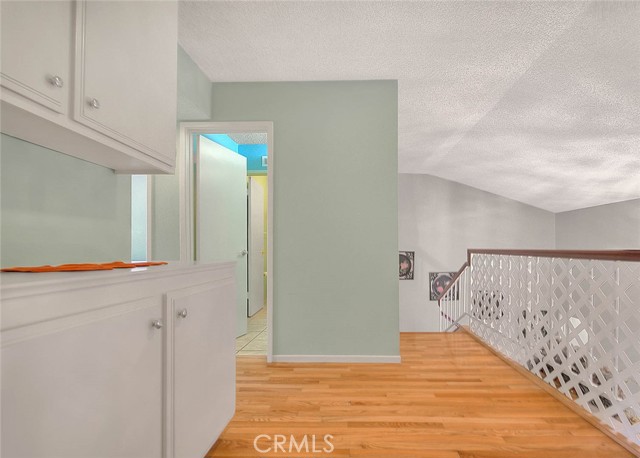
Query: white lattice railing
[(570, 318)]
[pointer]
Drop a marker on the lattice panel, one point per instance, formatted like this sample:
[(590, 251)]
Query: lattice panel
[(574, 323)]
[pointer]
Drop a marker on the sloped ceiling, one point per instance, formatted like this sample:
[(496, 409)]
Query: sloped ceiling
[(535, 101)]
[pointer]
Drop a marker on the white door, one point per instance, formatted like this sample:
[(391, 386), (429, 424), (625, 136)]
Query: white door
[(256, 247), (221, 214)]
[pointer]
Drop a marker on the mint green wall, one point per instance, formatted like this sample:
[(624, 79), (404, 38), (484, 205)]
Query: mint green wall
[(194, 104), (336, 211), (194, 90), (58, 209), (165, 217)]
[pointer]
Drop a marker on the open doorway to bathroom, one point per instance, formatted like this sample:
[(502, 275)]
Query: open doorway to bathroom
[(226, 173), (231, 191), (254, 341)]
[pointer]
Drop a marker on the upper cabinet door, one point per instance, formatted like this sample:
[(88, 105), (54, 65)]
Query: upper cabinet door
[(126, 73), (36, 51)]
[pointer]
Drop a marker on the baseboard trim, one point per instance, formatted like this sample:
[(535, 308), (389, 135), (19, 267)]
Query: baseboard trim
[(374, 359), (575, 408)]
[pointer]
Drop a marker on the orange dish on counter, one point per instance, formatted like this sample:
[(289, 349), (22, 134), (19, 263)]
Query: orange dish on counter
[(84, 267)]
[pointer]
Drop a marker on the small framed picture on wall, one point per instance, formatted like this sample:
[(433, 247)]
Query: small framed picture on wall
[(438, 282), (407, 259)]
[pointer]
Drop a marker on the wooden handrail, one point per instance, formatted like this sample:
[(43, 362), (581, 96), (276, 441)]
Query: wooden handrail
[(605, 255), (453, 280)]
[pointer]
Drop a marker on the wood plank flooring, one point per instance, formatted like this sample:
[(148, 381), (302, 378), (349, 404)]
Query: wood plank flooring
[(449, 398)]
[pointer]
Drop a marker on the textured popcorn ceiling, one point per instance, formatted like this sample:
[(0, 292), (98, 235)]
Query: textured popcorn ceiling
[(538, 102), (249, 139)]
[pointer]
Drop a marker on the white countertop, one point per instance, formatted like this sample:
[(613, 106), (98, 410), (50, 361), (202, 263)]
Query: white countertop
[(10, 282), (28, 298)]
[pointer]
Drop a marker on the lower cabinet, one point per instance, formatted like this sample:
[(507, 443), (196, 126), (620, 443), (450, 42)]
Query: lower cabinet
[(149, 377), (88, 388), (203, 356)]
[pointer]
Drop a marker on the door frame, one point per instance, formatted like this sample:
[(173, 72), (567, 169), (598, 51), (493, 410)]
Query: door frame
[(186, 183)]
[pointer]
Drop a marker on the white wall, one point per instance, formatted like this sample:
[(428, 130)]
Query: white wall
[(605, 227), (440, 219)]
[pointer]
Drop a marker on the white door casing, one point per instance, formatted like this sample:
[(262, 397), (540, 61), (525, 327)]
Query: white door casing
[(186, 180)]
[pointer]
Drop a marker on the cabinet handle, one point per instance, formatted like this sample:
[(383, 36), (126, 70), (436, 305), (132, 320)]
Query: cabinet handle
[(157, 324), (183, 313), (93, 103), (56, 81)]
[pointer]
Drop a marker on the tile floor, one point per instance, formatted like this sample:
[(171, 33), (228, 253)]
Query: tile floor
[(254, 342)]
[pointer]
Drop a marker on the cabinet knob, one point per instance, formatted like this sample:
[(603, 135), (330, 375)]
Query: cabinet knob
[(183, 313), (56, 81), (244, 253), (93, 103), (157, 324)]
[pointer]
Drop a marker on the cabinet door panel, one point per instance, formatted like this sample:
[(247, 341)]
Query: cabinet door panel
[(204, 366), (126, 60), (88, 390), (36, 48)]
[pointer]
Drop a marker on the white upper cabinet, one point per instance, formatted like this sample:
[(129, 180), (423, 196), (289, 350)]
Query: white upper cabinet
[(96, 80), (36, 51), (126, 54)]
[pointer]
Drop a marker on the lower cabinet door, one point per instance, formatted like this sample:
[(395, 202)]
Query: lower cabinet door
[(85, 386), (203, 350)]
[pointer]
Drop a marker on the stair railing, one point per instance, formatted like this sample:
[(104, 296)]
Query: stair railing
[(454, 301), (572, 318)]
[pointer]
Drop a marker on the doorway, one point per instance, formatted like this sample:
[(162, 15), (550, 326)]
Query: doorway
[(254, 342), (213, 218)]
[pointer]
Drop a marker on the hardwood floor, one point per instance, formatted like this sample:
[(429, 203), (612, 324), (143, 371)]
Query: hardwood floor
[(449, 398)]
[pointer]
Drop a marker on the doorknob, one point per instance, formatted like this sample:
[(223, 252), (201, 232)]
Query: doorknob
[(244, 253)]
